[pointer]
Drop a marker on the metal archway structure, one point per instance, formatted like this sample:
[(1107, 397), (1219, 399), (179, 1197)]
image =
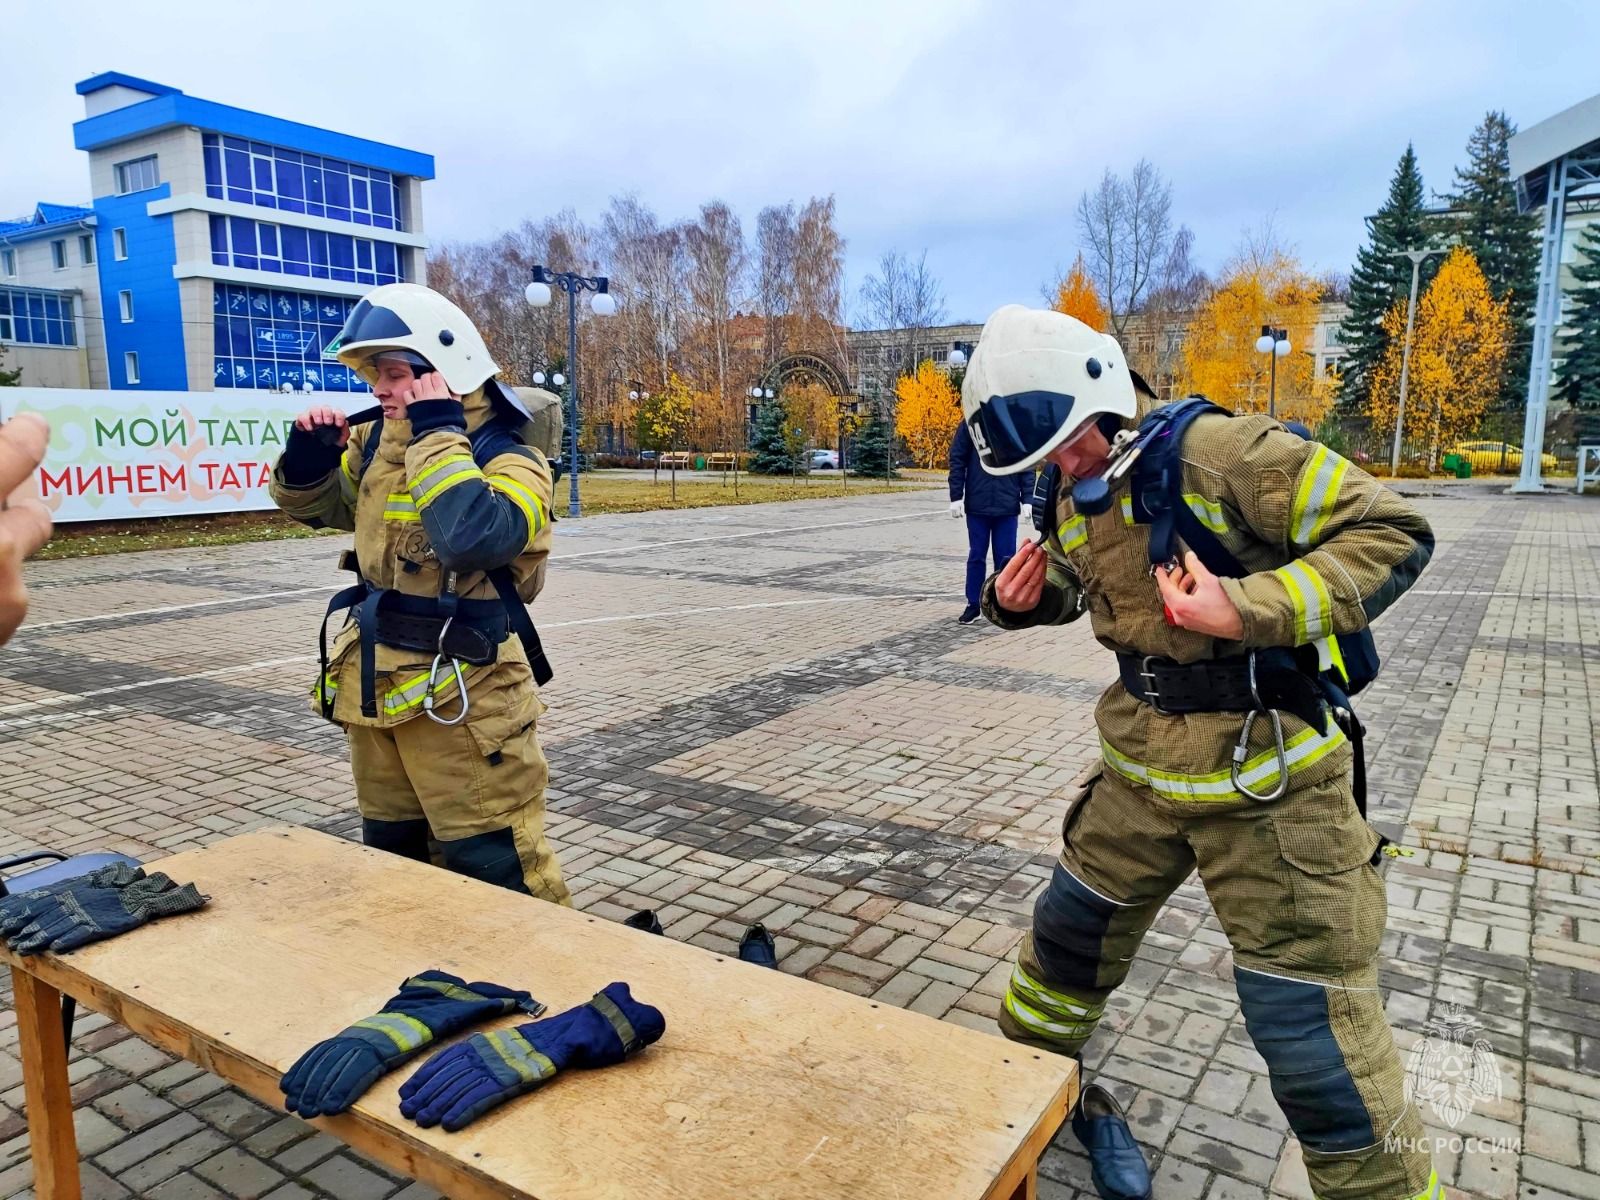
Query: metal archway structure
[(806, 364)]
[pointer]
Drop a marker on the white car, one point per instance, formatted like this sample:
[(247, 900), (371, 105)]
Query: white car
[(824, 460)]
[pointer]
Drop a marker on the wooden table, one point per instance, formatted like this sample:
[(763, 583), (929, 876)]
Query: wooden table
[(764, 1085)]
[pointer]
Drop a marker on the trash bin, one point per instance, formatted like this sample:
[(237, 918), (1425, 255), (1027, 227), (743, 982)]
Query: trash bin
[(1452, 462), (1464, 468), (699, 462)]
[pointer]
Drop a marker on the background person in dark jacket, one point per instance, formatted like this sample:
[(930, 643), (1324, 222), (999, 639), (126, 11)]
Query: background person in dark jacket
[(990, 503)]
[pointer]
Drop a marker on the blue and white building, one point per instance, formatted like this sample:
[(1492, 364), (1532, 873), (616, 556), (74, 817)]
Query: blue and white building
[(222, 248)]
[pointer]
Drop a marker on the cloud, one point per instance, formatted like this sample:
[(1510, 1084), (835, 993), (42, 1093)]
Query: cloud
[(967, 128)]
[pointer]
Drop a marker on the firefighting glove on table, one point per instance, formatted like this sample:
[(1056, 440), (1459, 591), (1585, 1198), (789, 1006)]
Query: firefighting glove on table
[(332, 1075), (86, 915), (21, 910), (462, 1082)]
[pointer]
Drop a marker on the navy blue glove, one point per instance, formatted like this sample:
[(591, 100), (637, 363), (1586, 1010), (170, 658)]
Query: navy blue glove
[(332, 1075), (85, 915), (22, 909), (462, 1082)]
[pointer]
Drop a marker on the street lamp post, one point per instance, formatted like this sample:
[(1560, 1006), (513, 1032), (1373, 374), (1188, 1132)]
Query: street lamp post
[(757, 394), (539, 295), (636, 392), (1416, 257), (1273, 341)]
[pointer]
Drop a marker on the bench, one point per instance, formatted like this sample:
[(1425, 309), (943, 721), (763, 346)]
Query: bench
[(722, 462), (675, 458), (764, 1085)]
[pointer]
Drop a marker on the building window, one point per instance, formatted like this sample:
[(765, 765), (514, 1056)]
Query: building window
[(58, 253), (941, 357), (267, 337), (86, 248), (125, 302), (37, 318), (290, 250), (8, 262), (1332, 335), (137, 175), (275, 177), (130, 365), (119, 243)]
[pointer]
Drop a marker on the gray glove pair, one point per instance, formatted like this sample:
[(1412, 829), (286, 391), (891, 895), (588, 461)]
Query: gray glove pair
[(91, 908)]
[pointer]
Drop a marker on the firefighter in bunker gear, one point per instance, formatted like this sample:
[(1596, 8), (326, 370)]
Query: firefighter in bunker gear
[(451, 515), (1293, 881)]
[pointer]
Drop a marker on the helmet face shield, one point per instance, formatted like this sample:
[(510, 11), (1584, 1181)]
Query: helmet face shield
[(1010, 430), (369, 322)]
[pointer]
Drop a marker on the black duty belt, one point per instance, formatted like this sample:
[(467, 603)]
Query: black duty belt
[(472, 634), (476, 629), (1216, 685), (1282, 681)]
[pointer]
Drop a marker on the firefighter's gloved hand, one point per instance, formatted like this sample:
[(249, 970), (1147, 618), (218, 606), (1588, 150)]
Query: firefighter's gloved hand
[(332, 1075), (958, 509), (462, 1082), (94, 914), (21, 910)]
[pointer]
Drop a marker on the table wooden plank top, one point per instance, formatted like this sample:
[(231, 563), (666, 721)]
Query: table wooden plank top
[(764, 1084)]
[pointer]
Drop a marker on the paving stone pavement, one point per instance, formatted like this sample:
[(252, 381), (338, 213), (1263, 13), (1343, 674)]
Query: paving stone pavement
[(769, 713)]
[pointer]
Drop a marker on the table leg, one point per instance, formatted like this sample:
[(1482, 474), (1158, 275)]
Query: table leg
[(1028, 1189), (46, 1091)]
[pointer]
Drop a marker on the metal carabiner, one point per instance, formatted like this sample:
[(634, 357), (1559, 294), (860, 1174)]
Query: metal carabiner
[(433, 676), (1242, 749)]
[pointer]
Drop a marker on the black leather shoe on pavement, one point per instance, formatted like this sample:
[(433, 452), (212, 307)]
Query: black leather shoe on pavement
[(644, 919), (1116, 1164)]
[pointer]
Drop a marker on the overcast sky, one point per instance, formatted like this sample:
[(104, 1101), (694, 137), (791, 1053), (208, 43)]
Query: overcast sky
[(964, 127)]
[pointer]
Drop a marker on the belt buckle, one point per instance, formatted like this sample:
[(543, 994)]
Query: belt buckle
[(1152, 684)]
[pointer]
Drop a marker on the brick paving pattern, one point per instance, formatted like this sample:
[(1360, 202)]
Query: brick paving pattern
[(769, 713)]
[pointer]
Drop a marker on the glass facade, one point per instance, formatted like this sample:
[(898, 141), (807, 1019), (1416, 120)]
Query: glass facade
[(265, 338), (290, 250), (34, 318), (288, 180)]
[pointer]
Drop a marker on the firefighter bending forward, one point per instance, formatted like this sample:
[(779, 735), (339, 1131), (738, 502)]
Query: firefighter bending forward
[(1292, 879)]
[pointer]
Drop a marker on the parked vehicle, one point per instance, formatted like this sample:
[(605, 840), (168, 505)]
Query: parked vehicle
[(1489, 457), (824, 460)]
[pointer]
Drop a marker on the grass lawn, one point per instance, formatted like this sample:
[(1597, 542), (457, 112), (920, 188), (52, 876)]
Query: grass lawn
[(600, 494)]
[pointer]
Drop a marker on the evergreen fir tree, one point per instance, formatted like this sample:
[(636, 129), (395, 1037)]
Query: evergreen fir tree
[(1381, 277), (1579, 383), (871, 447), (769, 447), (1504, 241)]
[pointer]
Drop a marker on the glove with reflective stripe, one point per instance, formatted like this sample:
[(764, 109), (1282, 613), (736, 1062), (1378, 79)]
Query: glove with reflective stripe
[(21, 910), (94, 914), (332, 1075), (462, 1082)]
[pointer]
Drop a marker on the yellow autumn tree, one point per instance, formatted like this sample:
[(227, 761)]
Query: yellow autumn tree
[(664, 416), (815, 410), (1458, 355), (927, 414), (1220, 359), (1076, 296)]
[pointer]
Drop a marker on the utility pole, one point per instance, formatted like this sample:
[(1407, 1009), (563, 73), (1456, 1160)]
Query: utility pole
[(1416, 257)]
